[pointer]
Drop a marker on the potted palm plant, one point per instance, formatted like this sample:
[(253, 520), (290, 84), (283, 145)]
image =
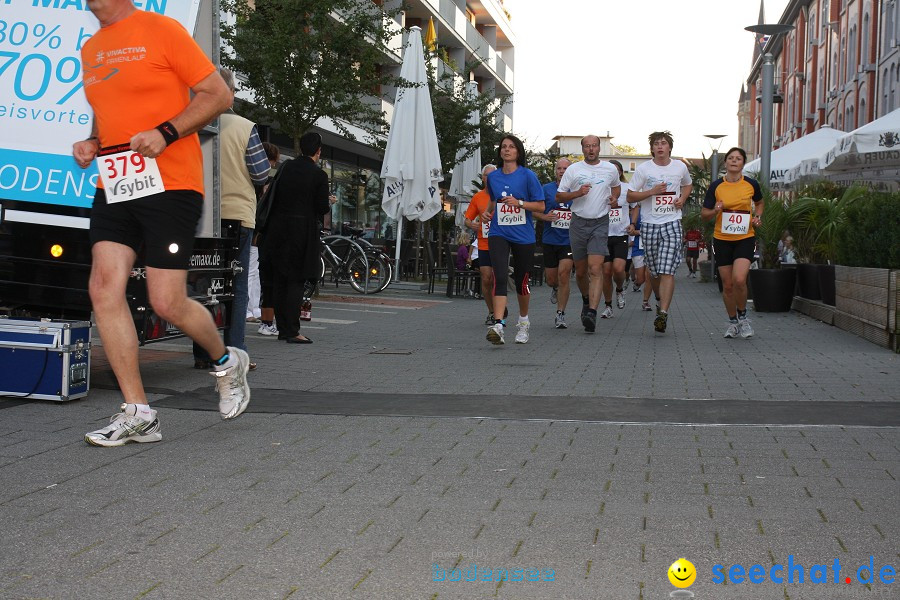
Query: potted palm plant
[(773, 287), (819, 220)]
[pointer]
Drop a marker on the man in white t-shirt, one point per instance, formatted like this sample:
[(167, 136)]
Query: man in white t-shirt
[(592, 186), (658, 191)]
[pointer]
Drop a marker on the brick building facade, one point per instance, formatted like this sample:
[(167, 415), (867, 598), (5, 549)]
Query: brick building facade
[(839, 66)]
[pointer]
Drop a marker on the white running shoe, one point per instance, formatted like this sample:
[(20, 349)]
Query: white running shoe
[(124, 427), (267, 329), (746, 330), (522, 333), (560, 321), (234, 391), (495, 334), (646, 306), (732, 331), (607, 313), (620, 299), (553, 296)]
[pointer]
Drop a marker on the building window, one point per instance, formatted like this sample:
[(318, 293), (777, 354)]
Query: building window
[(863, 116), (885, 83), (888, 27), (864, 57)]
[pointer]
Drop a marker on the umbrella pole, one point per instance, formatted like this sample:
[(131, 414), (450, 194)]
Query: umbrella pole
[(399, 237)]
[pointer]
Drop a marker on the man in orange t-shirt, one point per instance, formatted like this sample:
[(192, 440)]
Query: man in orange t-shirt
[(139, 71), (477, 206)]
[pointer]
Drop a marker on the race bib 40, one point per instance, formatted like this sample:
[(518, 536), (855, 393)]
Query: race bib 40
[(735, 223)]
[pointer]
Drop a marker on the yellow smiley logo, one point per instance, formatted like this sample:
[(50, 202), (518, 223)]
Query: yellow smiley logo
[(682, 573)]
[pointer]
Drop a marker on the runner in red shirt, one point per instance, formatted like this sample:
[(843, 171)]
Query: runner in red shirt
[(692, 241)]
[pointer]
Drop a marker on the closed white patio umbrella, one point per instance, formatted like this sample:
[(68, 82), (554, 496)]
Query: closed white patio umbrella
[(412, 164), (469, 169), (810, 146)]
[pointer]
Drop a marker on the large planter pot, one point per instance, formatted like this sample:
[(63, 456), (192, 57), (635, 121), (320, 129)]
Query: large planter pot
[(808, 281), (773, 289), (826, 283)]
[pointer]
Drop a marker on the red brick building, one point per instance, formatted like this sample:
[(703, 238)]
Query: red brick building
[(839, 66)]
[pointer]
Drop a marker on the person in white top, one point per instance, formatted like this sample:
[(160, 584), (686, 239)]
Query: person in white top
[(592, 186), (659, 189), (617, 244)]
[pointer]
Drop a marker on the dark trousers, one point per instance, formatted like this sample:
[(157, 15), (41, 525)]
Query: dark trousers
[(287, 294), (234, 333)]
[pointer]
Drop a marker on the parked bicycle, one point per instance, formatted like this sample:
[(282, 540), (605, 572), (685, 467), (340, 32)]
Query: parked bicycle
[(353, 260)]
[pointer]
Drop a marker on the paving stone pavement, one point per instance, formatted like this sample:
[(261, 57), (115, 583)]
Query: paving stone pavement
[(331, 506)]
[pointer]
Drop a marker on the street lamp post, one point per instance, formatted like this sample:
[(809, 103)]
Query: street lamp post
[(767, 73), (713, 173)]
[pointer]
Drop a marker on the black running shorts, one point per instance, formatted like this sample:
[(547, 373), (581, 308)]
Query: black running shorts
[(162, 225)]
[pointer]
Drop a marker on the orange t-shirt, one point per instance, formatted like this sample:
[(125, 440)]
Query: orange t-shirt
[(137, 74), (477, 206)]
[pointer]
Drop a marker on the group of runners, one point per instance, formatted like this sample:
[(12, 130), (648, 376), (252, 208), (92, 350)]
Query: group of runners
[(595, 221)]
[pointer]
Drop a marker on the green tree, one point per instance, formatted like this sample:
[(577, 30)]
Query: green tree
[(452, 105), (306, 60)]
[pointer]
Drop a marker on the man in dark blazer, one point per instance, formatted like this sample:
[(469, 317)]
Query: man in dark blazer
[(290, 244)]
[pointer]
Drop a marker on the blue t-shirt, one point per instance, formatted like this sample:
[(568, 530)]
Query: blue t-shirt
[(637, 250), (522, 184), (554, 235)]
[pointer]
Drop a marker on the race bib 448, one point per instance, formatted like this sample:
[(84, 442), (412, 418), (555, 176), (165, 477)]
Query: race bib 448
[(510, 215)]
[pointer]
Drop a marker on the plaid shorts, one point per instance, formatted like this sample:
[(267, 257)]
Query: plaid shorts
[(662, 247)]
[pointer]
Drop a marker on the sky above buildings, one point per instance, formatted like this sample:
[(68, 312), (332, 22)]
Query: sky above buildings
[(632, 67)]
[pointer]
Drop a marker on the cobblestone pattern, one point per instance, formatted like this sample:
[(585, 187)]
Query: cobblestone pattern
[(278, 506)]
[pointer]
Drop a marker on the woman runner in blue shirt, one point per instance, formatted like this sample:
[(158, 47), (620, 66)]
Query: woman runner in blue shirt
[(515, 192)]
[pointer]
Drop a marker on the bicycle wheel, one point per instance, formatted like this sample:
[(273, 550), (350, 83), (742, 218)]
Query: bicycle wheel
[(389, 274), (377, 270)]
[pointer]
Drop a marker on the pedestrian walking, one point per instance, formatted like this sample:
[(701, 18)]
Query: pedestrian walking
[(255, 308), (592, 186), (737, 205), (661, 186), (289, 246), (514, 193), (147, 112), (242, 166)]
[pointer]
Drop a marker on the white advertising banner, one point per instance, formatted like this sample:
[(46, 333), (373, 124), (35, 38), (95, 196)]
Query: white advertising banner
[(43, 110)]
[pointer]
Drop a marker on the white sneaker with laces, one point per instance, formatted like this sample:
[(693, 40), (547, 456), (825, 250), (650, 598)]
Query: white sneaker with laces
[(234, 391), (495, 334), (607, 313), (267, 329), (522, 333), (554, 296), (732, 331), (746, 330), (560, 321), (124, 427), (620, 299)]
